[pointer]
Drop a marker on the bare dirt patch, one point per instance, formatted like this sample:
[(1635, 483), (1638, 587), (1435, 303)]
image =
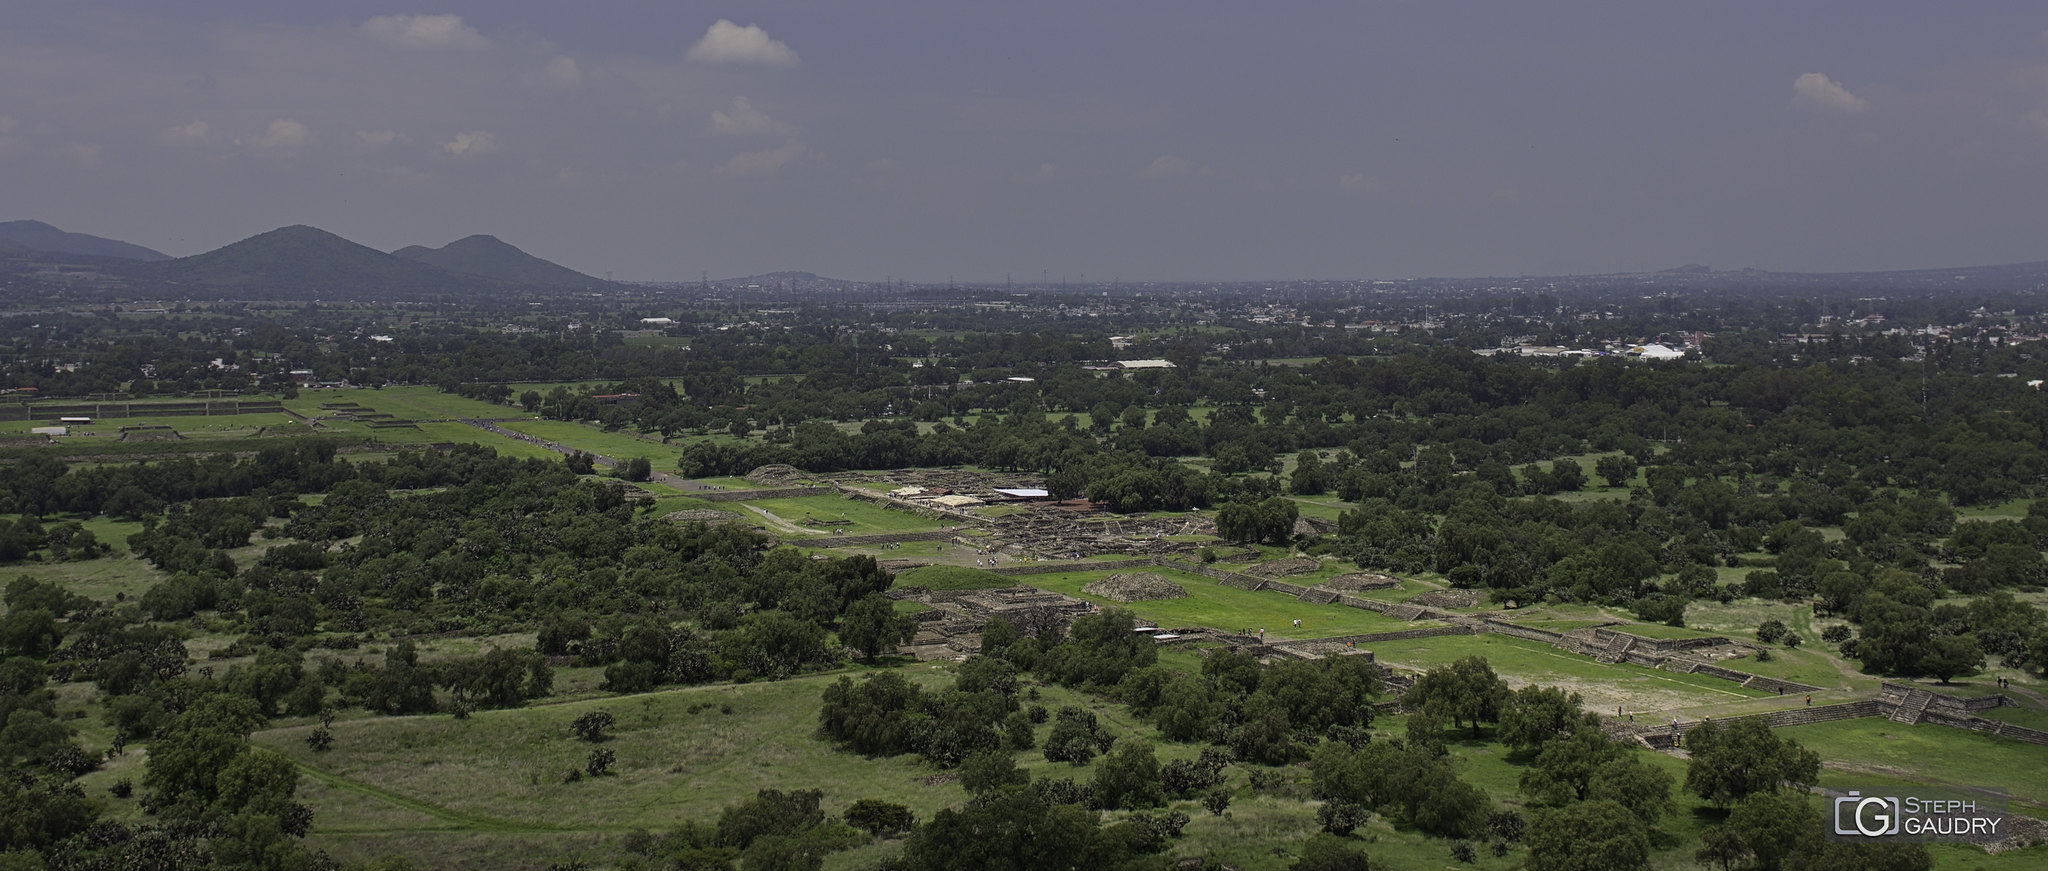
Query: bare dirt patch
[(1281, 568), (1361, 581)]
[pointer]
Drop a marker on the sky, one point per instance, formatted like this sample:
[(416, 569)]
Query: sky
[(936, 140)]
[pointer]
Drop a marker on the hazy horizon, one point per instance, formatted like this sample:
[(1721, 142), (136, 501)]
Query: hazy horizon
[(1141, 142)]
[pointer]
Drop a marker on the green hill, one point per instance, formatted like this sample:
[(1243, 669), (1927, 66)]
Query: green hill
[(37, 236), (490, 257), (306, 261)]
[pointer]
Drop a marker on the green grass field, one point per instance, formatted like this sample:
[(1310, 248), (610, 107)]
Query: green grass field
[(862, 517), (1927, 754), (617, 445), (953, 578), (1649, 693), (223, 426)]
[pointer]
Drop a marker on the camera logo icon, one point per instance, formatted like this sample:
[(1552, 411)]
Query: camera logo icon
[(1870, 816)]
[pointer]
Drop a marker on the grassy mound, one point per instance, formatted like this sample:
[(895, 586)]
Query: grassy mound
[(953, 578)]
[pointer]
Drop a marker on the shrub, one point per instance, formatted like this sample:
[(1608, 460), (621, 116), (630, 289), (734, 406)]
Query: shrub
[(591, 725), (1217, 801), (1770, 631), (879, 818), (1340, 818), (600, 762)]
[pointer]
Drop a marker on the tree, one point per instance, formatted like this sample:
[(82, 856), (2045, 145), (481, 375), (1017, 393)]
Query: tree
[(1466, 690), (1734, 760), (1770, 631), (1951, 655), (1187, 710), (991, 770), (1327, 852), (1634, 784), (1129, 777), (770, 812), (1534, 715), (879, 818), (872, 625), (1588, 836), (1618, 469), (1018, 831), (1076, 737), (591, 725), (1565, 771), (1771, 825)]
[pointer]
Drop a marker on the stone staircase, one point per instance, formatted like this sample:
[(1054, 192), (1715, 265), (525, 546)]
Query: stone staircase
[(1615, 649), (1319, 597), (1915, 704), (1405, 612)]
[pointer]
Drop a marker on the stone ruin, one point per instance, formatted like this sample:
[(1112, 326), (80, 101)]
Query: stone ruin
[(1135, 587), (952, 629)]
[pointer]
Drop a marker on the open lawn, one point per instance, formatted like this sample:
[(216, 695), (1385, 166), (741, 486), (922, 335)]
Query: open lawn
[(1228, 608), (954, 578), (1657, 695), (1927, 754), (102, 580), (405, 403), (458, 433), (862, 518), (190, 426), (617, 445)]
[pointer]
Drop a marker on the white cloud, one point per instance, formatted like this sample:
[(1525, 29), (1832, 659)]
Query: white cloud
[(471, 144), (729, 43), (1172, 166), (423, 31), (189, 133), (562, 73), (1360, 183), (1817, 91), (762, 164), (1044, 173), (283, 134), (745, 120), (380, 138)]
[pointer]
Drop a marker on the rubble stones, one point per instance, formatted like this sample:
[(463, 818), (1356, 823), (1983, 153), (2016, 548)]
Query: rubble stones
[(1135, 587)]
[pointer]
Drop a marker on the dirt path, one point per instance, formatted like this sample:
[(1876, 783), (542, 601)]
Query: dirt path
[(778, 522), (458, 819)]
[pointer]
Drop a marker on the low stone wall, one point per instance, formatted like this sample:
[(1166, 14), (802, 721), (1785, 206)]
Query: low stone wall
[(1782, 687), (1505, 628), (1294, 590), (749, 495), (1365, 604), (1056, 568), (1397, 635), (1659, 645), (883, 538), (1665, 737)]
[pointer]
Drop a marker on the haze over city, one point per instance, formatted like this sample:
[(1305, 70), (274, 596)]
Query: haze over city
[(925, 140)]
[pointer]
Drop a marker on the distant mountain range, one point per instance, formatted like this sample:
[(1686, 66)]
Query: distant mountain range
[(488, 257), (296, 262), (37, 236)]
